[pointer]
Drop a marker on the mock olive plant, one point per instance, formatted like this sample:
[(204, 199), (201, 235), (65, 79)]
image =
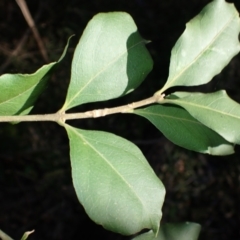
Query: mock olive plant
[(113, 181)]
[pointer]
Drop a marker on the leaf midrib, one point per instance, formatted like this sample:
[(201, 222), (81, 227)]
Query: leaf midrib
[(100, 72), (182, 102), (115, 170), (170, 116), (174, 79), (33, 85)]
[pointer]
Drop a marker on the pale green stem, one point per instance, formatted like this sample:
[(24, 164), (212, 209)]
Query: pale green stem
[(61, 117)]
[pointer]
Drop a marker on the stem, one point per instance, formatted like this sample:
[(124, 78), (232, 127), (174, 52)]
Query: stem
[(61, 117)]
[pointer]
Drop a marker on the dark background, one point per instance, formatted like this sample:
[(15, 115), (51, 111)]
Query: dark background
[(36, 190)]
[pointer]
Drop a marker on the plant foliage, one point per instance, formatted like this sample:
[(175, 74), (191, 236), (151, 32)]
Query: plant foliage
[(110, 60), (184, 130), (20, 91), (113, 180), (104, 165)]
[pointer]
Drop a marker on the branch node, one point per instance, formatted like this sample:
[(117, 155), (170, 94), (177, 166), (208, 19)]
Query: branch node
[(97, 113), (159, 97)]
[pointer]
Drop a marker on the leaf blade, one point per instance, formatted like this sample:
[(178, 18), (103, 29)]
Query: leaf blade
[(215, 110), (104, 166), (182, 129), (20, 100), (208, 43), (173, 231), (110, 60), (179, 231)]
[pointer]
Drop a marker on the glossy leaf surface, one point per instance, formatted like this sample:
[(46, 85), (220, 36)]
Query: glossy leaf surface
[(20, 91), (110, 60), (114, 182), (215, 110), (208, 43), (173, 231), (184, 130)]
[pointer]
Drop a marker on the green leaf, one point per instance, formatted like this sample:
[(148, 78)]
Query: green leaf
[(208, 43), (114, 182), (4, 236), (184, 130), (173, 231), (215, 110), (20, 91), (26, 234), (179, 231), (110, 60)]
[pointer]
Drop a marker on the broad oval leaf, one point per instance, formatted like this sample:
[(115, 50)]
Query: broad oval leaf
[(173, 231), (215, 110), (208, 43), (20, 91), (184, 130), (114, 182), (110, 60)]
